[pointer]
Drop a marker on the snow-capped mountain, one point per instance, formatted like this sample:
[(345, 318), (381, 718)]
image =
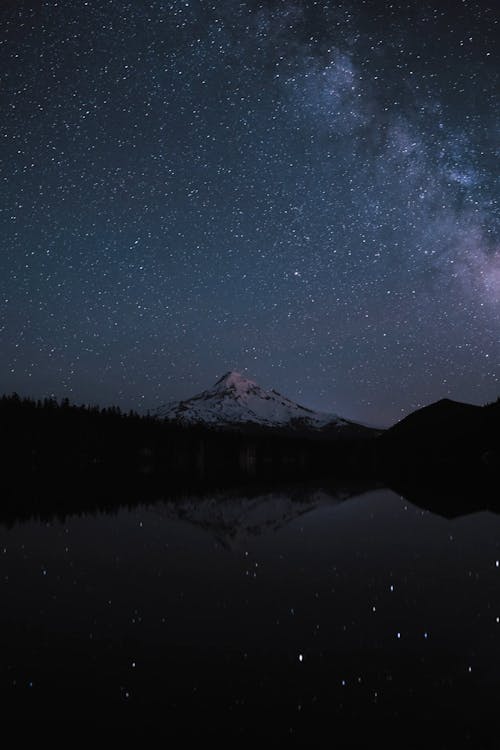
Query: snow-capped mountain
[(235, 400)]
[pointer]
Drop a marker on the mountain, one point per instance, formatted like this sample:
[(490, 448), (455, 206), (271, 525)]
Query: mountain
[(446, 436), (235, 400), (444, 417)]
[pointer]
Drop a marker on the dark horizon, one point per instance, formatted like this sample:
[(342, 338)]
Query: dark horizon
[(145, 411)]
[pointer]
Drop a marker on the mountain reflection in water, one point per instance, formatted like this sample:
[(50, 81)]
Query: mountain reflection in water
[(273, 611)]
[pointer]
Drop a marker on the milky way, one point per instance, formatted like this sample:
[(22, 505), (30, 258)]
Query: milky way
[(303, 191)]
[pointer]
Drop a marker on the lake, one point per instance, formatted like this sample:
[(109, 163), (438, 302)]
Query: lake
[(286, 610)]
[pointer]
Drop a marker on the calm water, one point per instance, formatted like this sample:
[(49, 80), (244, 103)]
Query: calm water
[(225, 613)]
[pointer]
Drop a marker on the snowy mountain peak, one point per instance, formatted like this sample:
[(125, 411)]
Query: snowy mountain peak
[(235, 400), (235, 381)]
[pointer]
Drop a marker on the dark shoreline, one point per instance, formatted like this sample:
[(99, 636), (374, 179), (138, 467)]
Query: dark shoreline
[(62, 459)]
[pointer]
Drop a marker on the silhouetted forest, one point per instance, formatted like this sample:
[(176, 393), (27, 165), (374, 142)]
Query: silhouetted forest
[(49, 439), (80, 458)]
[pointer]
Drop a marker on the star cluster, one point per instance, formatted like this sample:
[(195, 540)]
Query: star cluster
[(303, 190)]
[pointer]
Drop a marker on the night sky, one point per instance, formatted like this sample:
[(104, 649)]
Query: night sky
[(303, 191)]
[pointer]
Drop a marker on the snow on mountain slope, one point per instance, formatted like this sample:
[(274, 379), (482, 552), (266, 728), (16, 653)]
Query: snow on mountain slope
[(236, 400)]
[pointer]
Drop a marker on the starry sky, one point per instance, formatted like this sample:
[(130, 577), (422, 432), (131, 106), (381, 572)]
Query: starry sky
[(302, 191)]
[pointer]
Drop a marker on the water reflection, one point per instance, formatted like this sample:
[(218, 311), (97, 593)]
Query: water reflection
[(293, 607), (236, 517)]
